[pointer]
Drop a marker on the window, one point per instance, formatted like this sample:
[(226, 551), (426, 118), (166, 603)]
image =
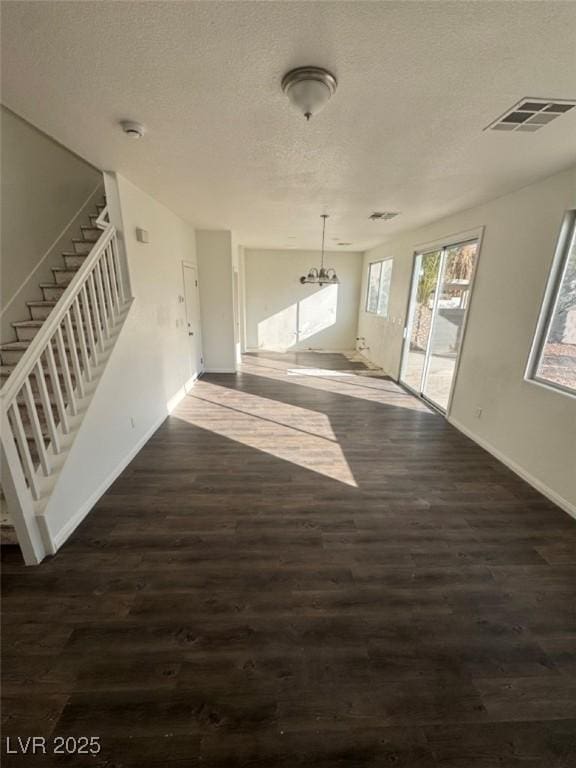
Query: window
[(553, 356), (379, 277)]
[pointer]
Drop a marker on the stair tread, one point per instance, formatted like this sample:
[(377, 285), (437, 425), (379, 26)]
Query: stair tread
[(6, 370), (41, 303), (28, 323), (19, 345), (35, 323), (51, 285), (65, 269), (15, 345)]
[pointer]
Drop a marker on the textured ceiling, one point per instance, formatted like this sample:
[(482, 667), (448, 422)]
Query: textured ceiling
[(417, 84)]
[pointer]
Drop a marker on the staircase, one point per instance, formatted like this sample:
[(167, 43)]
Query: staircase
[(50, 372), (48, 295)]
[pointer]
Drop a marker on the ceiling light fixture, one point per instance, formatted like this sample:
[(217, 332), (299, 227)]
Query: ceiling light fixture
[(132, 130), (322, 276), (309, 89)]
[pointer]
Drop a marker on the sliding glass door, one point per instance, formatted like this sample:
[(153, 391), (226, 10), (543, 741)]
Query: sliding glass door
[(424, 281), (441, 285)]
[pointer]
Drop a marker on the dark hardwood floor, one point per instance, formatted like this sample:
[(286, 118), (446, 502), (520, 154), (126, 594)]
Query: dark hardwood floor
[(302, 570)]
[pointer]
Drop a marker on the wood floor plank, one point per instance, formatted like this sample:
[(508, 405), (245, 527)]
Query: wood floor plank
[(544, 744), (302, 571)]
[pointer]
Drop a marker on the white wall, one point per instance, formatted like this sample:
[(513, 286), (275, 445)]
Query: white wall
[(531, 428), (149, 366), (281, 313), (242, 297), (44, 187), (215, 250)]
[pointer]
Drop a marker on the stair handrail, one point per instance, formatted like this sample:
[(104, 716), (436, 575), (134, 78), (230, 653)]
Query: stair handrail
[(103, 218), (39, 343)]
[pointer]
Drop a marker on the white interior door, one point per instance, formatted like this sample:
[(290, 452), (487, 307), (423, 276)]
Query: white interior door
[(191, 297)]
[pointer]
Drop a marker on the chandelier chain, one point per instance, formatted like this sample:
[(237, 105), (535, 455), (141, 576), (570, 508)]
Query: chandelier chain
[(324, 217)]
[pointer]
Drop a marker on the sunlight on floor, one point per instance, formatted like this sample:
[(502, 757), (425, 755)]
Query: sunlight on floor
[(294, 417), (303, 436), (297, 435), (374, 388), (315, 372)]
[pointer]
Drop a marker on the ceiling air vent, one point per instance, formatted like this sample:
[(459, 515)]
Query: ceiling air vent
[(383, 215), (529, 115)]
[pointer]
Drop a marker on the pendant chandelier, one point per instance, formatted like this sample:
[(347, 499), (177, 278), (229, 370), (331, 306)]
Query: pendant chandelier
[(324, 275)]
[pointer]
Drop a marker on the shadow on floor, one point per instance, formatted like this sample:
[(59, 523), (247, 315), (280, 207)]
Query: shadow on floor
[(302, 571)]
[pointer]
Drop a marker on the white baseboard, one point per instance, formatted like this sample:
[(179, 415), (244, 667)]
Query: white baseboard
[(560, 501), (294, 350), (59, 538), (220, 370), (182, 392)]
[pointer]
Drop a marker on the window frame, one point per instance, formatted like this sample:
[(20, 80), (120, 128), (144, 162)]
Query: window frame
[(549, 303), (367, 301)]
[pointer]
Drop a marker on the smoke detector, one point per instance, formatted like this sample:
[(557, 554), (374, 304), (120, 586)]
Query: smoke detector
[(309, 89), (383, 215), (132, 130)]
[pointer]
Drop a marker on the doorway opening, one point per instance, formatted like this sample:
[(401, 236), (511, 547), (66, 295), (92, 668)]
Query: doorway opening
[(439, 297)]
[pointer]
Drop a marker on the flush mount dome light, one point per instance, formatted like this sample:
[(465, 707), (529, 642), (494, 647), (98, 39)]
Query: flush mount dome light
[(309, 89), (132, 130)]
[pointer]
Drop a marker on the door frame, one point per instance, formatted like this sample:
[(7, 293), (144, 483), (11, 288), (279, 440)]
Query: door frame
[(419, 250), (197, 331), (236, 310)]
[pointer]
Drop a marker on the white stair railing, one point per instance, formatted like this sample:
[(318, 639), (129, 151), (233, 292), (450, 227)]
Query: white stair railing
[(42, 397)]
